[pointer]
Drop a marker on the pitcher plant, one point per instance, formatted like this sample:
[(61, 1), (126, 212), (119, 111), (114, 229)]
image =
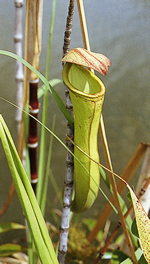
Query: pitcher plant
[(87, 95)]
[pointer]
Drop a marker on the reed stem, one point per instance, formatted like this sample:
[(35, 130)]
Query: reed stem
[(104, 140), (34, 19)]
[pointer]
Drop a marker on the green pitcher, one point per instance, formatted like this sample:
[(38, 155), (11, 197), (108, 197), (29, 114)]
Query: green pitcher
[(87, 95)]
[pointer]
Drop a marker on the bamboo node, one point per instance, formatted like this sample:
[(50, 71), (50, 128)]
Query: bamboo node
[(34, 81), (33, 145), (18, 37), (33, 111), (34, 180), (18, 3)]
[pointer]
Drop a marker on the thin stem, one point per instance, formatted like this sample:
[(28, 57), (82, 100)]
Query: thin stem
[(68, 30), (65, 221), (83, 24), (105, 145), (114, 188), (42, 156)]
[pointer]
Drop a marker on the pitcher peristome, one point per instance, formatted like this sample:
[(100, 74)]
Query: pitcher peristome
[(87, 95)]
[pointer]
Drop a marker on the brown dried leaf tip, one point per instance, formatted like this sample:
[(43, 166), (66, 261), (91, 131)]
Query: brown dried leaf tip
[(95, 61)]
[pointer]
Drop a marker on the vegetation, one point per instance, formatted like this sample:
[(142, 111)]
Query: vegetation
[(77, 241)]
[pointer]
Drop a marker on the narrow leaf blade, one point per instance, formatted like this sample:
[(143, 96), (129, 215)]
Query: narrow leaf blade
[(6, 226), (9, 249)]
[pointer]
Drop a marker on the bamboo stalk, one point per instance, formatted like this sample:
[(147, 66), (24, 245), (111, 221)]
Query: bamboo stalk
[(104, 140), (65, 221), (34, 14), (19, 67), (19, 81)]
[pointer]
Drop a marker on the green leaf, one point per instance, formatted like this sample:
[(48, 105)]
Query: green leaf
[(129, 197), (143, 225), (53, 82), (4, 227), (27, 199), (118, 256), (142, 260), (9, 249), (138, 254), (134, 228)]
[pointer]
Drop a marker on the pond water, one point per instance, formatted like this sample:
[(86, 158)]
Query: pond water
[(118, 29)]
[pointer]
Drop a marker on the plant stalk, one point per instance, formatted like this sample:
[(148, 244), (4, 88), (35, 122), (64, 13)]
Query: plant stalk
[(19, 67), (104, 140), (65, 221), (34, 14)]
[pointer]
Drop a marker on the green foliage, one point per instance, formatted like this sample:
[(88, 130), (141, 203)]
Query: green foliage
[(118, 257), (27, 198), (140, 258), (9, 249), (134, 228), (7, 226)]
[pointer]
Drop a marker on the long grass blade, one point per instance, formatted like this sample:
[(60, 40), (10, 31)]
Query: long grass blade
[(44, 191), (42, 157), (27, 198)]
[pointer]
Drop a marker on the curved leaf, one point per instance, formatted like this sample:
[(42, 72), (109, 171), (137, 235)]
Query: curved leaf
[(143, 225), (83, 57)]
